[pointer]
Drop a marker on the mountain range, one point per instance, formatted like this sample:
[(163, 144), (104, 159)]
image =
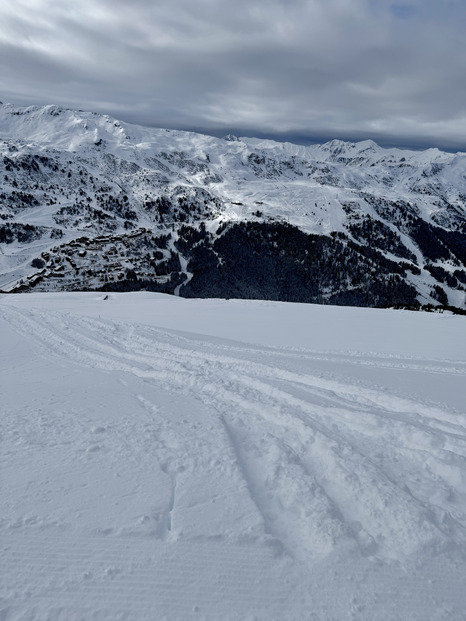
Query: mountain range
[(88, 202)]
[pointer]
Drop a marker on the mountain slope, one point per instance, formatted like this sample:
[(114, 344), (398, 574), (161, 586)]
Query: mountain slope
[(210, 459), (89, 202)]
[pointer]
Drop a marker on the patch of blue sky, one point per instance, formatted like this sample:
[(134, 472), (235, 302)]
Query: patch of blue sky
[(403, 11)]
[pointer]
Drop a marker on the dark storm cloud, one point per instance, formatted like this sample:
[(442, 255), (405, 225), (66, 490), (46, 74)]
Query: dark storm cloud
[(394, 71)]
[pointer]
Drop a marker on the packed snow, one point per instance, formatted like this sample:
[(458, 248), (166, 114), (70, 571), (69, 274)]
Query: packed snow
[(165, 458)]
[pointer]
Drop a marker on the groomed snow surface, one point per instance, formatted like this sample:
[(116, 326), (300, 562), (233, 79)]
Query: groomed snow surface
[(171, 459)]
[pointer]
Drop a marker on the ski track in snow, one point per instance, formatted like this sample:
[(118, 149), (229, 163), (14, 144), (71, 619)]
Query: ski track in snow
[(288, 437), (315, 466)]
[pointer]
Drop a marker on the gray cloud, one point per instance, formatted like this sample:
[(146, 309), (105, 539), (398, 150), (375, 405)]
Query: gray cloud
[(393, 71)]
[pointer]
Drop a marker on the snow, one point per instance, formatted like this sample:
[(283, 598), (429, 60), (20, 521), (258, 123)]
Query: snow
[(166, 458)]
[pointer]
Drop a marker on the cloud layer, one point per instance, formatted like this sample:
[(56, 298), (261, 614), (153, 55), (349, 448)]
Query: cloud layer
[(392, 71)]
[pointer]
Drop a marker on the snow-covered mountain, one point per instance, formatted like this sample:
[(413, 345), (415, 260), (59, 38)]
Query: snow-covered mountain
[(89, 202)]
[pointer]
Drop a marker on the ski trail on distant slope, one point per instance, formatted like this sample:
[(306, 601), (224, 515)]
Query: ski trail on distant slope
[(326, 463)]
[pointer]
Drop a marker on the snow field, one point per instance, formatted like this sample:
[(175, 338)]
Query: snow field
[(166, 458)]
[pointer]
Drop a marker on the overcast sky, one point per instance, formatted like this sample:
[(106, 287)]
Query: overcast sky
[(309, 69)]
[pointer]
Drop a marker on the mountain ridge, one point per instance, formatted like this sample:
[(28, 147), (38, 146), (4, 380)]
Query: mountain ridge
[(389, 219)]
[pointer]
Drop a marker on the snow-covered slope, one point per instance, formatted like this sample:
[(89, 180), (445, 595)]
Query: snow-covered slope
[(163, 208), (181, 459)]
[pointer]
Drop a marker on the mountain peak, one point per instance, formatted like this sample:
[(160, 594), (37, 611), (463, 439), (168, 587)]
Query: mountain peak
[(231, 138)]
